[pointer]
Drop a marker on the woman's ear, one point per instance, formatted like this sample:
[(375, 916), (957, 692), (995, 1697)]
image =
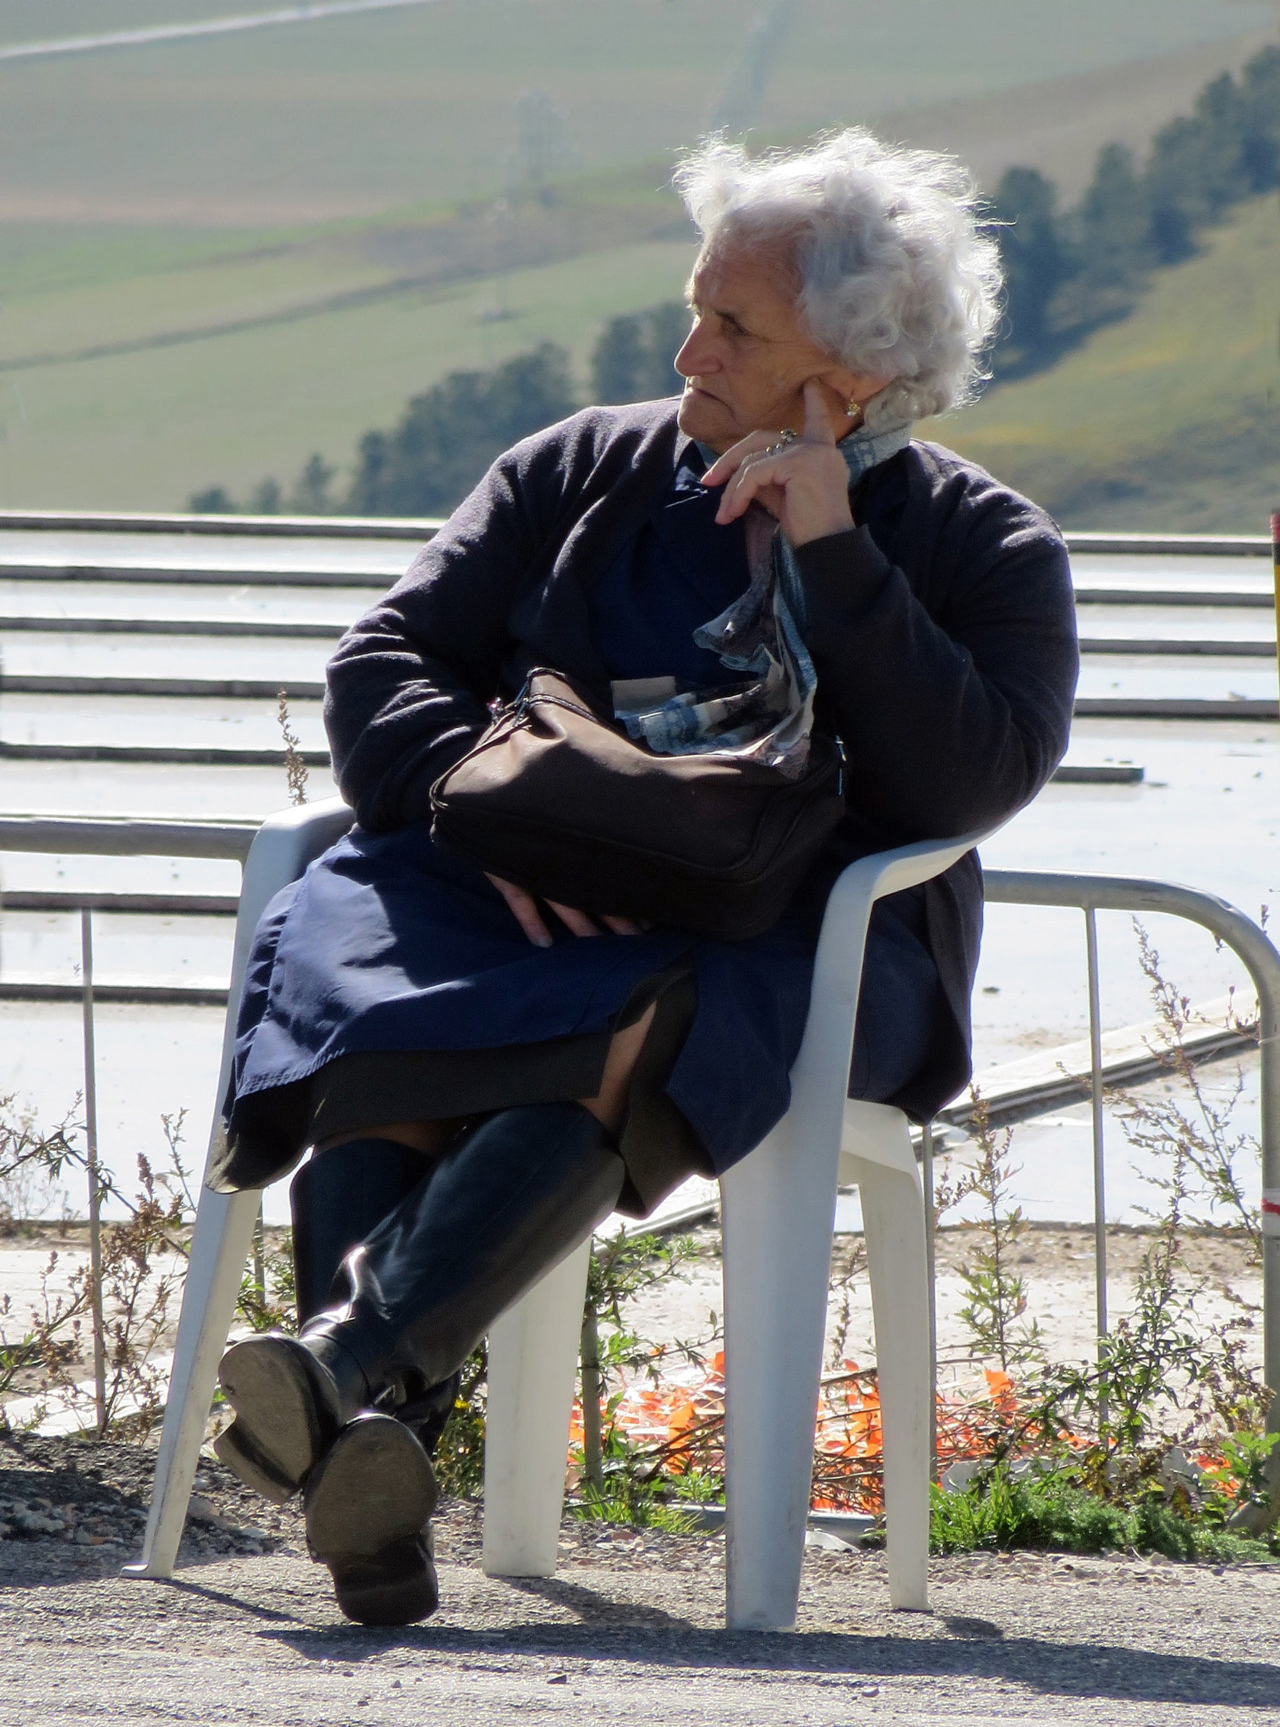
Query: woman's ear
[(855, 389), (846, 394)]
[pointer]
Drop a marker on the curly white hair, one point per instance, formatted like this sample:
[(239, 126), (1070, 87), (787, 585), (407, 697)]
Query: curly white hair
[(895, 275)]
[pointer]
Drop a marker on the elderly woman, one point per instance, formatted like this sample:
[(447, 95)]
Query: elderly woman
[(485, 1075)]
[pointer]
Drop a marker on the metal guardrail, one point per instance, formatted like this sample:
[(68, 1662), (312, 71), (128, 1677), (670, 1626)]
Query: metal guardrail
[(128, 836), (111, 836), (270, 527), (422, 527), (117, 836), (1091, 894)]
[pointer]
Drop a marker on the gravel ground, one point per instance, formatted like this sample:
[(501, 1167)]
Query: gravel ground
[(629, 1630)]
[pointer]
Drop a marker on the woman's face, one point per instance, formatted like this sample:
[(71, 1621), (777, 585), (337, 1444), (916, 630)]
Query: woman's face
[(748, 356)]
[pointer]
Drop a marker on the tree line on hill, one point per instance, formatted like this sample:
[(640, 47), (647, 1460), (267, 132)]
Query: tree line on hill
[(449, 435), (1066, 271)]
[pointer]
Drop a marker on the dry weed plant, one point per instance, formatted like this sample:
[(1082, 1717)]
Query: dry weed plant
[(42, 1352), (295, 765)]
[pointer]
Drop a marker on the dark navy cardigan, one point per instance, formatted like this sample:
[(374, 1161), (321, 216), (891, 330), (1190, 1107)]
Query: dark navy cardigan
[(942, 629)]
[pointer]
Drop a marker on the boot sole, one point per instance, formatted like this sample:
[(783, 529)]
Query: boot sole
[(280, 1427), (374, 1487)]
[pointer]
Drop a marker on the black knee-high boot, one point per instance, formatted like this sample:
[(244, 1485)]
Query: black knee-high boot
[(337, 1198), (507, 1201)]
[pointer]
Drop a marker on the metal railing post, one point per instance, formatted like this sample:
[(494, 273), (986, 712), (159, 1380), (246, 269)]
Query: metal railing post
[(1099, 1149), (95, 1183)]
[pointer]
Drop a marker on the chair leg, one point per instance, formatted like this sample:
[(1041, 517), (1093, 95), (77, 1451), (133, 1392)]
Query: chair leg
[(533, 1358), (893, 1221), (219, 1249), (778, 1210)]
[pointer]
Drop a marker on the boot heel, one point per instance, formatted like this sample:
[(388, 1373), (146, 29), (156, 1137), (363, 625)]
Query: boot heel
[(367, 1504)]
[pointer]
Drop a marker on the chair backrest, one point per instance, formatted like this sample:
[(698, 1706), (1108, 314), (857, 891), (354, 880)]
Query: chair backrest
[(282, 848)]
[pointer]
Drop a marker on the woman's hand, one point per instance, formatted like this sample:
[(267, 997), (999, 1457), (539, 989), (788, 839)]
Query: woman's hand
[(524, 908), (804, 483)]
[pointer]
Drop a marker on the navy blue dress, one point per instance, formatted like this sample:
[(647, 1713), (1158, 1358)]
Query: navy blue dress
[(388, 944)]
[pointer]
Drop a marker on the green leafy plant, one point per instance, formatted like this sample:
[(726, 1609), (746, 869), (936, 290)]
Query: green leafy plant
[(622, 1267), (267, 1300), (1054, 1510), (1168, 1421)]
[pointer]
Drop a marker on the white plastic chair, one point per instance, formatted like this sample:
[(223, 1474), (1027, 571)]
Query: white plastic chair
[(778, 1215)]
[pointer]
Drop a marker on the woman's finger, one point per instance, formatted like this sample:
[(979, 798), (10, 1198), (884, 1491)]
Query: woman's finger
[(577, 922), (622, 925), (524, 909), (752, 477), (817, 422), (724, 467)]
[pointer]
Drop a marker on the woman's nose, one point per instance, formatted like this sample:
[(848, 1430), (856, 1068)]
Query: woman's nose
[(696, 356)]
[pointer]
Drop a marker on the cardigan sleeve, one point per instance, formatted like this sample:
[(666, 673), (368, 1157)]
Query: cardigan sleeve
[(951, 721), (409, 686)]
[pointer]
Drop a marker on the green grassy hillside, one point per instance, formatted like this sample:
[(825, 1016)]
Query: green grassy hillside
[(1169, 420), (143, 429), (219, 255)]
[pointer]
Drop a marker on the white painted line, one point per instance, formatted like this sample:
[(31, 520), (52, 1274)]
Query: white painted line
[(301, 14)]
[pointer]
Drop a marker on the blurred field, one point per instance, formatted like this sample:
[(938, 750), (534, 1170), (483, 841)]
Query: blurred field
[(1169, 420), (354, 115), (142, 430)]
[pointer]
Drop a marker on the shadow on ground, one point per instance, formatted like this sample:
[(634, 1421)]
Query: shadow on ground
[(961, 1647)]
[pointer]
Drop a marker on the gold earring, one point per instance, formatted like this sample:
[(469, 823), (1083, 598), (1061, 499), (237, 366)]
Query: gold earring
[(853, 409)]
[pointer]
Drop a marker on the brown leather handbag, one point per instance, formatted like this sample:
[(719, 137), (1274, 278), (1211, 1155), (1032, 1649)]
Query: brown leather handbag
[(557, 798)]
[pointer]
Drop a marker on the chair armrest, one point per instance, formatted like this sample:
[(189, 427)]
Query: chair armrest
[(883, 873), (837, 974), (838, 967)]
